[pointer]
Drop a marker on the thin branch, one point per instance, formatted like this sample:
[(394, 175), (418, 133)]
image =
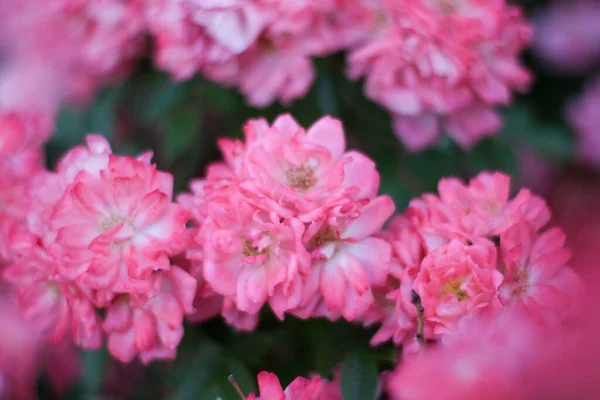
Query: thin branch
[(416, 300), (236, 386)]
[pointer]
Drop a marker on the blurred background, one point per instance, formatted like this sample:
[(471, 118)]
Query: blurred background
[(550, 142)]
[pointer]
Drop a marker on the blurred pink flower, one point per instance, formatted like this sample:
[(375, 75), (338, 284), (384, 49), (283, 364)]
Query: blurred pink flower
[(583, 116), (443, 67), (193, 33), (24, 354), (567, 35), (485, 358), (503, 356), (70, 47), (262, 48)]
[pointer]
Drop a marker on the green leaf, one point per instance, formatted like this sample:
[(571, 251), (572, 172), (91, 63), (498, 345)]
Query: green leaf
[(331, 347), (70, 126), (156, 94), (200, 374), (102, 115), (326, 96), (181, 130), (94, 367), (551, 139), (359, 377)]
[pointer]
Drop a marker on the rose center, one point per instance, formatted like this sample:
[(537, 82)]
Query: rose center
[(448, 6), (111, 222), (321, 238), (251, 251), (453, 287), (300, 178)]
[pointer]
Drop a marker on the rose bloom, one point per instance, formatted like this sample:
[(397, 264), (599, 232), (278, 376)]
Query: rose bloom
[(190, 34), (115, 223), (54, 304), (507, 355), (443, 66), (457, 280), (301, 172), (263, 49), (348, 262), (249, 253)]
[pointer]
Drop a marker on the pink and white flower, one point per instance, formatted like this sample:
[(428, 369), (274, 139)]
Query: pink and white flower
[(348, 262), (115, 224), (457, 280), (250, 253), (302, 173)]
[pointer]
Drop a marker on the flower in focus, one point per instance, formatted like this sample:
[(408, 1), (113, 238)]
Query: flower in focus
[(443, 67), (348, 261), (249, 253), (115, 224), (54, 303), (98, 233), (457, 280), (393, 306), (567, 35), (303, 173)]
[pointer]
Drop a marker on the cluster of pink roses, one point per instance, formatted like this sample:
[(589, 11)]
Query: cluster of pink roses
[(292, 220), (436, 66), (289, 219)]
